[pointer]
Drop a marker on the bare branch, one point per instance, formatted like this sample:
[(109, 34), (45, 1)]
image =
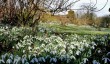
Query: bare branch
[(102, 7), (94, 6)]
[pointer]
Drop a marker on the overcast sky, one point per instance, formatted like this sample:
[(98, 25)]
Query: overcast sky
[(99, 5)]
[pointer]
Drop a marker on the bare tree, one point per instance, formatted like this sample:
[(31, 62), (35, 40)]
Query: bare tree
[(88, 12), (7, 10)]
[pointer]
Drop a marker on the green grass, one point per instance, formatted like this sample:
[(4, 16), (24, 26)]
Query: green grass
[(76, 29)]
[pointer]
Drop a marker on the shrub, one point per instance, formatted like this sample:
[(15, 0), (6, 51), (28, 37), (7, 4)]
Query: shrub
[(71, 16), (105, 22)]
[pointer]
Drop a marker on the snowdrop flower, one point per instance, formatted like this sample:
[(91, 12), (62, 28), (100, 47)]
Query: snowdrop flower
[(64, 46), (53, 60), (29, 43), (16, 59), (11, 56), (68, 60), (23, 60), (23, 51), (23, 42), (35, 1), (2, 30), (99, 51), (17, 46), (34, 60), (86, 44), (29, 56), (77, 44), (53, 52), (9, 61), (73, 43), (2, 61), (93, 43), (84, 41), (34, 55), (92, 47), (29, 48), (42, 59), (106, 59), (78, 52), (95, 62), (39, 38), (6, 32), (47, 57), (36, 47), (43, 45), (89, 52), (56, 47), (72, 47), (81, 62), (70, 52), (72, 57), (62, 52), (81, 48), (85, 60), (108, 53), (62, 57), (60, 45), (26, 37), (27, 63), (74, 39), (4, 56), (58, 40)]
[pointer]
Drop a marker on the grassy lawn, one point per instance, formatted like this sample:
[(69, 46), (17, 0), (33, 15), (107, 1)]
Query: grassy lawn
[(76, 29)]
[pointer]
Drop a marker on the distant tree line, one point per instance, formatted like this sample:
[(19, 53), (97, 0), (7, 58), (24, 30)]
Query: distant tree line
[(30, 12)]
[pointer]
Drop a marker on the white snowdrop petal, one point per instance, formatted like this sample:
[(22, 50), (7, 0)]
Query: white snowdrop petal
[(32, 61)]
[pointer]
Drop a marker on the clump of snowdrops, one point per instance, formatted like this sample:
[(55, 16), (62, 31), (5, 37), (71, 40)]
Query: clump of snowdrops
[(26, 48)]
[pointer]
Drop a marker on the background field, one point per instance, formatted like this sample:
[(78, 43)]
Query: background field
[(71, 28)]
